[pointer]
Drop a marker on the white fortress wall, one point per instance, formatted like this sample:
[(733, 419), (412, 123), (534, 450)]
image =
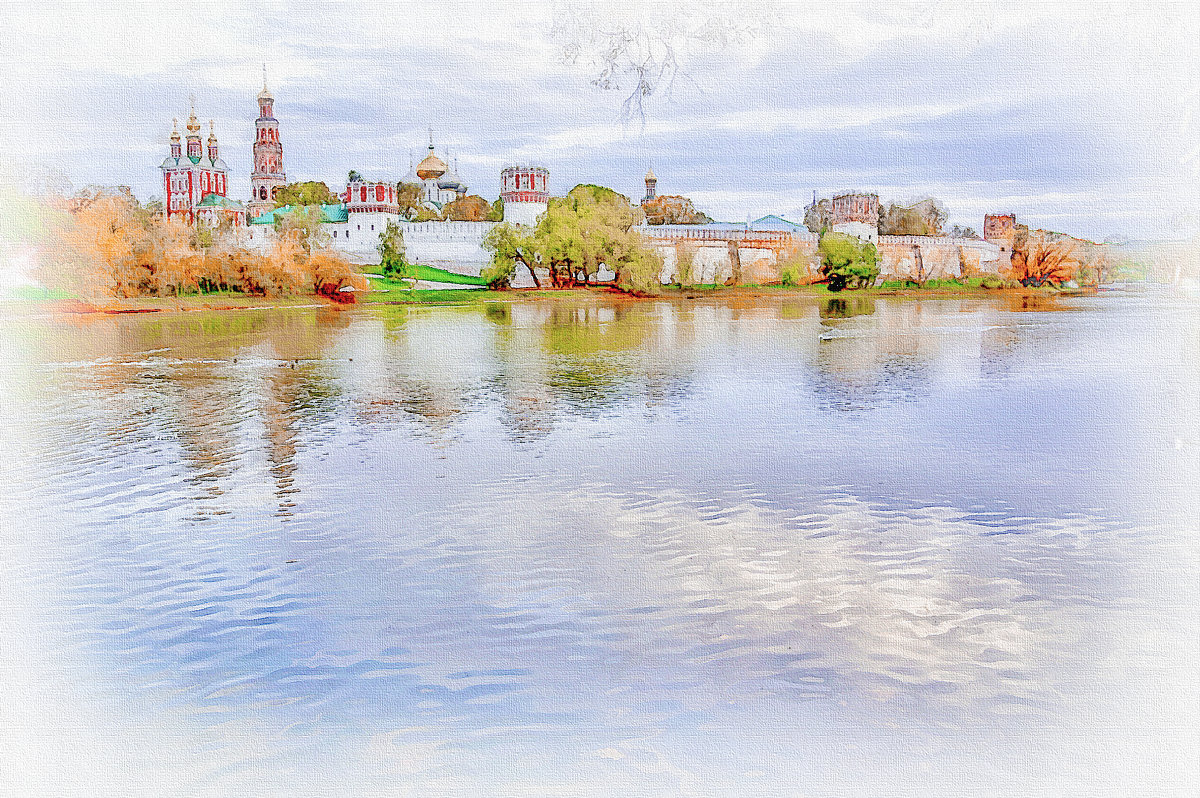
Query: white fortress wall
[(358, 238), (453, 246)]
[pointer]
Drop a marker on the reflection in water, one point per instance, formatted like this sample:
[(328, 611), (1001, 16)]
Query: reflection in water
[(846, 307), (616, 546)]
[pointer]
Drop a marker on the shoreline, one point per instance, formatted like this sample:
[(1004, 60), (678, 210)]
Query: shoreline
[(461, 297)]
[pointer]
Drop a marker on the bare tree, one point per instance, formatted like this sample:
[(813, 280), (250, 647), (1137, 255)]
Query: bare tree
[(642, 53)]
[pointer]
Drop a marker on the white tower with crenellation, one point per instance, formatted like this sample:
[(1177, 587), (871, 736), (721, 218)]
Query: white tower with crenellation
[(526, 193)]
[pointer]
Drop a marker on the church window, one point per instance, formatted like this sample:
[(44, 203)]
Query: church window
[(362, 194), (335, 233), (372, 228), (379, 193)]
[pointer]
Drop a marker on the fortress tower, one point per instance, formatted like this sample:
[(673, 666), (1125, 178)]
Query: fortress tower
[(525, 191), (268, 175), (1000, 229), (857, 215)]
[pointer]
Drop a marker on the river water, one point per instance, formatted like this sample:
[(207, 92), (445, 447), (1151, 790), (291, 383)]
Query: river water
[(785, 547)]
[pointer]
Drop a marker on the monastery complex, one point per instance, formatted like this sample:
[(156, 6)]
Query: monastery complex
[(195, 184)]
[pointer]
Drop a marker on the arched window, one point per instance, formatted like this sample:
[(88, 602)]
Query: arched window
[(379, 193), (262, 192), (362, 194)]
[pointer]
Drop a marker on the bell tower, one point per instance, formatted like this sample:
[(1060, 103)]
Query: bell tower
[(268, 175)]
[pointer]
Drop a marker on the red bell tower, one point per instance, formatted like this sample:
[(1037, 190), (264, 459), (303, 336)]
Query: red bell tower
[(268, 175)]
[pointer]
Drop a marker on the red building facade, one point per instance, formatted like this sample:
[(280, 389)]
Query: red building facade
[(196, 182), (862, 208), (525, 184), (362, 196)]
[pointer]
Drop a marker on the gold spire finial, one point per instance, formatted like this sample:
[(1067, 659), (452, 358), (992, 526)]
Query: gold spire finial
[(193, 126), (265, 94)]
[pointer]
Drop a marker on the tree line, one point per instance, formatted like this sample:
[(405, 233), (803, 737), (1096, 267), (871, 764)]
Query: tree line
[(469, 208), (104, 243)]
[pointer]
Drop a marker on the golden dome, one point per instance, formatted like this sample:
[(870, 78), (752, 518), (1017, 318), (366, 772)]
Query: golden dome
[(193, 127), (650, 175), (432, 166)]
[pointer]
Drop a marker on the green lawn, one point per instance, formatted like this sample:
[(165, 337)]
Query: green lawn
[(434, 275)]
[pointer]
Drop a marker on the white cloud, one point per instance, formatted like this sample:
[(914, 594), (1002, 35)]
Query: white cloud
[(1098, 100)]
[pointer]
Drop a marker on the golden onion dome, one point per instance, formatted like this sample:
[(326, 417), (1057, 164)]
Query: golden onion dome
[(431, 167)]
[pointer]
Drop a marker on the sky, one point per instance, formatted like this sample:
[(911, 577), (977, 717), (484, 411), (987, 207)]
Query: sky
[(1078, 117)]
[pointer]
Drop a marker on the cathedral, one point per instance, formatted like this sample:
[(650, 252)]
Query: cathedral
[(195, 183), (439, 183)]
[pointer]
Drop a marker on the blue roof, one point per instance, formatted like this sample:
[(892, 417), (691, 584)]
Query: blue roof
[(330, 214), (773, 222)]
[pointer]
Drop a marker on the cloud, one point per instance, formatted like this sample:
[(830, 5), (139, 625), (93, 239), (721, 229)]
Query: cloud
[(1013, 100)]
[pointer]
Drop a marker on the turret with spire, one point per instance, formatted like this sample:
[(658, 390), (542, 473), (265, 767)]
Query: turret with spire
[(176, 146), (651, 185), (212, 142), (266, 103)]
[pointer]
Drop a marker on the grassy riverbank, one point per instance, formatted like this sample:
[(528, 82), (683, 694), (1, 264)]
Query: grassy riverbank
[(398, 292)]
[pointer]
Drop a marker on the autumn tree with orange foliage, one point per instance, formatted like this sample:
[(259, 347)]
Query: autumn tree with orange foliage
[(672, 209), (1041, 258), (471, 208), (109, 246)]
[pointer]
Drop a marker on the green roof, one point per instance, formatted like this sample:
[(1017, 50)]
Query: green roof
[(332, 214), (217, 201)]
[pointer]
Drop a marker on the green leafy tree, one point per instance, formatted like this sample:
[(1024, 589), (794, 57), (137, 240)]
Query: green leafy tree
[(305, 223), (511, 246), (847, 262), (408, 197), (353, 176), (589, 229), (312, 192), (496, 213), (498, 275), (391, 252)]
